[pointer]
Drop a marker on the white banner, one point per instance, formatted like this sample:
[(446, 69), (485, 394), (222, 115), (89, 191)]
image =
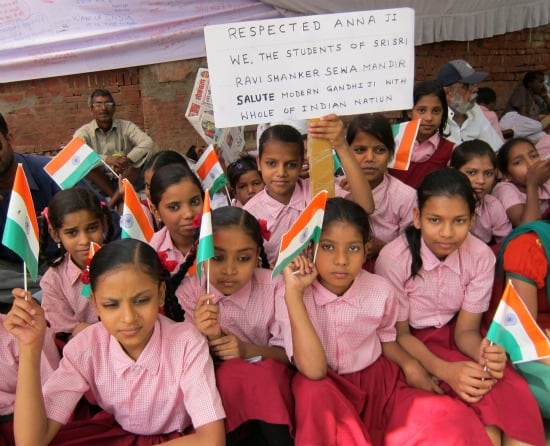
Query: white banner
[(304, 67), (45, 38)]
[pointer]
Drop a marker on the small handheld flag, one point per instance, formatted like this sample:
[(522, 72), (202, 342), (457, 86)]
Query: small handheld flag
[(209, 171), (134, 221), (405, 136), (85, 276), (205, 249), (516, 331), (73, 163), (21, 229), (307, 227)]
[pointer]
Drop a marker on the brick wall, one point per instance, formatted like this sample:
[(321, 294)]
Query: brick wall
[(43, 114)]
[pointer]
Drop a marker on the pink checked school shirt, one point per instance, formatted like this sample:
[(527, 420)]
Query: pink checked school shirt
[(249, 313), (9, 364), (62, 300), (351, 327), (509, 195), (491, 220), (279, 216), (161, 241), (170, 387), (394, 203), (464, 280)]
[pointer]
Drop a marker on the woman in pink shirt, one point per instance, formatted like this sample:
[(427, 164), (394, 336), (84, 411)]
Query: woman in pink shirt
[(444, 277), (431, 150), (74, 219), (477, 160), (286, 195), (525, 191), (237, 317), (153, 377), (356, 385), (370, 138)]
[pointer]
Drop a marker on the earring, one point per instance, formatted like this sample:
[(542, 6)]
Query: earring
[(58, 245)]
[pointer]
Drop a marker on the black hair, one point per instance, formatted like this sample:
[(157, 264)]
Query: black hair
[(243, 164), (283, 133), (468, 150), (125, 252), (435, 88), (340, 209), (166, 176), (447, 182), (66, 202), (376, 125), (100, 92), (163, 158), (486, 95), (531, 76), (227, 216), (3, 127), (504, 152)]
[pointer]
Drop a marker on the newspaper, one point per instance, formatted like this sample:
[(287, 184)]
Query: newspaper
[(200, 114)]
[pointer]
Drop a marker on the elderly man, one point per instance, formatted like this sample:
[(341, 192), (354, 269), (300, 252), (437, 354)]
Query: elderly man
[(466, 119), (122, 144)]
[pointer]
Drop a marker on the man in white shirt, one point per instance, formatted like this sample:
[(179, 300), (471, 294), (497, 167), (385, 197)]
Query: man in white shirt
[(466, 119)]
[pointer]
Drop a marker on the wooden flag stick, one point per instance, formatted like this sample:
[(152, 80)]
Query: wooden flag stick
[(110, 168), (25, 281), (208, 280)]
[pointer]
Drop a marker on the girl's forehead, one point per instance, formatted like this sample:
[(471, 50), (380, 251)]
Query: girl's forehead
[(275, 149)]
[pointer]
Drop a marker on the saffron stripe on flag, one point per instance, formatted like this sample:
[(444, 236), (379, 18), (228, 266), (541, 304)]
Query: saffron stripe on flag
[(406, 135), (530, 326), (134, 222), (21, 228), (65, 155), (207, 164)]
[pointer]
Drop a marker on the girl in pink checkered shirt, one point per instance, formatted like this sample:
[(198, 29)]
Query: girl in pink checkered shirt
[(444, 278), (153, 377), (237, 318), (355, 384)]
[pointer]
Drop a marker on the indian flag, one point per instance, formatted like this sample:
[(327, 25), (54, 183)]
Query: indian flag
[(134, 222), (404, 135), (21, 229), (86, 290), (516, 331), (73, 163), (209, 171), (205, 249), (307, 227)]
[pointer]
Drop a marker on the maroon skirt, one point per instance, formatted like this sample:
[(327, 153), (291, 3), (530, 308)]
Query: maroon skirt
[(6, 433), (103, 430), (257, 391), (499, 407), (376, 406)]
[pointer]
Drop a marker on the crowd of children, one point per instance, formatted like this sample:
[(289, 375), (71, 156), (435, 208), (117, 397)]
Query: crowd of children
[(375, 337)]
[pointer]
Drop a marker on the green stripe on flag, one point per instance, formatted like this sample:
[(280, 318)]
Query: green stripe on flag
[(79, 173), (315, 235), (15, 238), (499, 335), (217, 184)]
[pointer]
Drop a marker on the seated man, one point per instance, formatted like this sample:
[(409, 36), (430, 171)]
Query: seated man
[(42, 189), (122, 144), (466, 119)]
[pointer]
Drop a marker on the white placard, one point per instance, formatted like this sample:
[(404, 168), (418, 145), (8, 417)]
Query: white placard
[(304, 67)]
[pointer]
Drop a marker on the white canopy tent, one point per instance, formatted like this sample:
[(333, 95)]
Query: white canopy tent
[(65, 37)]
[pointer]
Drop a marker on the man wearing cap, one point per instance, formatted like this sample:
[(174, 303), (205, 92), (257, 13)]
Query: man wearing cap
[(466, 119)]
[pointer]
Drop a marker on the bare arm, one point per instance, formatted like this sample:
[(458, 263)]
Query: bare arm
[(331, 127), (308, 352), (26, 322)]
